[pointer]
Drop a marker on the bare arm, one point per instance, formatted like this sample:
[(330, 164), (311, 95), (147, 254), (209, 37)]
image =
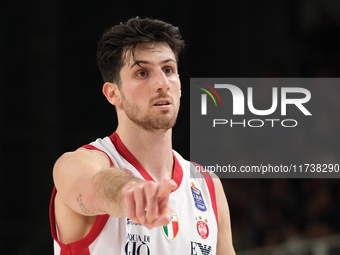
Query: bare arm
[(224, 238), (87, 187)]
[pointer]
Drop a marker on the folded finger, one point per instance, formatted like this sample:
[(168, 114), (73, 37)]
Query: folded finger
[(139, 197), (151, 194), (130, 205)]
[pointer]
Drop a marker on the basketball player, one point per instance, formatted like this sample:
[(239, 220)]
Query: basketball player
[(130, 193)]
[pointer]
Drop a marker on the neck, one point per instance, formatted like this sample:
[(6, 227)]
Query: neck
[(153, 149)]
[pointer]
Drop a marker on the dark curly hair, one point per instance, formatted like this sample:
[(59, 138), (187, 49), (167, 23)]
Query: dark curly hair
[(125, 37)]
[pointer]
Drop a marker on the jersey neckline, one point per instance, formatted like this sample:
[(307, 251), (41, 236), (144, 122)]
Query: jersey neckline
[(177, 174)]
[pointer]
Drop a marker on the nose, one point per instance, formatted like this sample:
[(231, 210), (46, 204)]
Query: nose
[(161, 82)]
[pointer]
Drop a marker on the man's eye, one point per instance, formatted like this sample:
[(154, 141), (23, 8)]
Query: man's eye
[(141, 74), (168, 70)]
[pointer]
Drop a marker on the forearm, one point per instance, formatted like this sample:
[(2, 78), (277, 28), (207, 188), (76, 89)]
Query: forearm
[(86, 184), (108, 188)]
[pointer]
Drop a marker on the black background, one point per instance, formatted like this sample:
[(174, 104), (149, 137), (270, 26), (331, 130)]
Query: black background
[(50, 87)]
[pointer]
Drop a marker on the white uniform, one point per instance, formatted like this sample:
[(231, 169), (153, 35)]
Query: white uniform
[(193, 227)]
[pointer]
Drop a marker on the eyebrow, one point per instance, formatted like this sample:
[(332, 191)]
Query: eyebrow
[(138, 62)]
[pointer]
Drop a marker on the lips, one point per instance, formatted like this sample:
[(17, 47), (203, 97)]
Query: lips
[(162, 102)]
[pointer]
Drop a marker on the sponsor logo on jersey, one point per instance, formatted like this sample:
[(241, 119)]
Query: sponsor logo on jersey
[(202, 227), (129, 222), (200, 249), (197, 195), (171, 230), (137, 244)]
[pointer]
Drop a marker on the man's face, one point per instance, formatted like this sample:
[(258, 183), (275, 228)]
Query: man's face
[(150, 88)]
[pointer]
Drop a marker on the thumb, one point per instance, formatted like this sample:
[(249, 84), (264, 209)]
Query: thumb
[(165, 188)]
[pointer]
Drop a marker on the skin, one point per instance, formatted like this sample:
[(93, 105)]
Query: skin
[(147, 104)]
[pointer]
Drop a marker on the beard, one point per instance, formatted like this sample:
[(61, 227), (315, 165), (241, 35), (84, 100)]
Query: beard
[(164, 120)]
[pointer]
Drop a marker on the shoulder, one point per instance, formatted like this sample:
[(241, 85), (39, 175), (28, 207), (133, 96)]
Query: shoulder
[(82, 162), (83, 156)]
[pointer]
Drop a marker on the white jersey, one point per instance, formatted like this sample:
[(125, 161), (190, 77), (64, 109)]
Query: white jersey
[(192, 230)]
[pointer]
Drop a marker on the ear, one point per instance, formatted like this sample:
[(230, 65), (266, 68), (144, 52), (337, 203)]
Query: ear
[(111, 93)]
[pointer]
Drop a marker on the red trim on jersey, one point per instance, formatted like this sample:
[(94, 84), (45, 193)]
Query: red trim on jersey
[(80, 247), (211, 187), (122, 150), (91, 147), (212, 193)]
